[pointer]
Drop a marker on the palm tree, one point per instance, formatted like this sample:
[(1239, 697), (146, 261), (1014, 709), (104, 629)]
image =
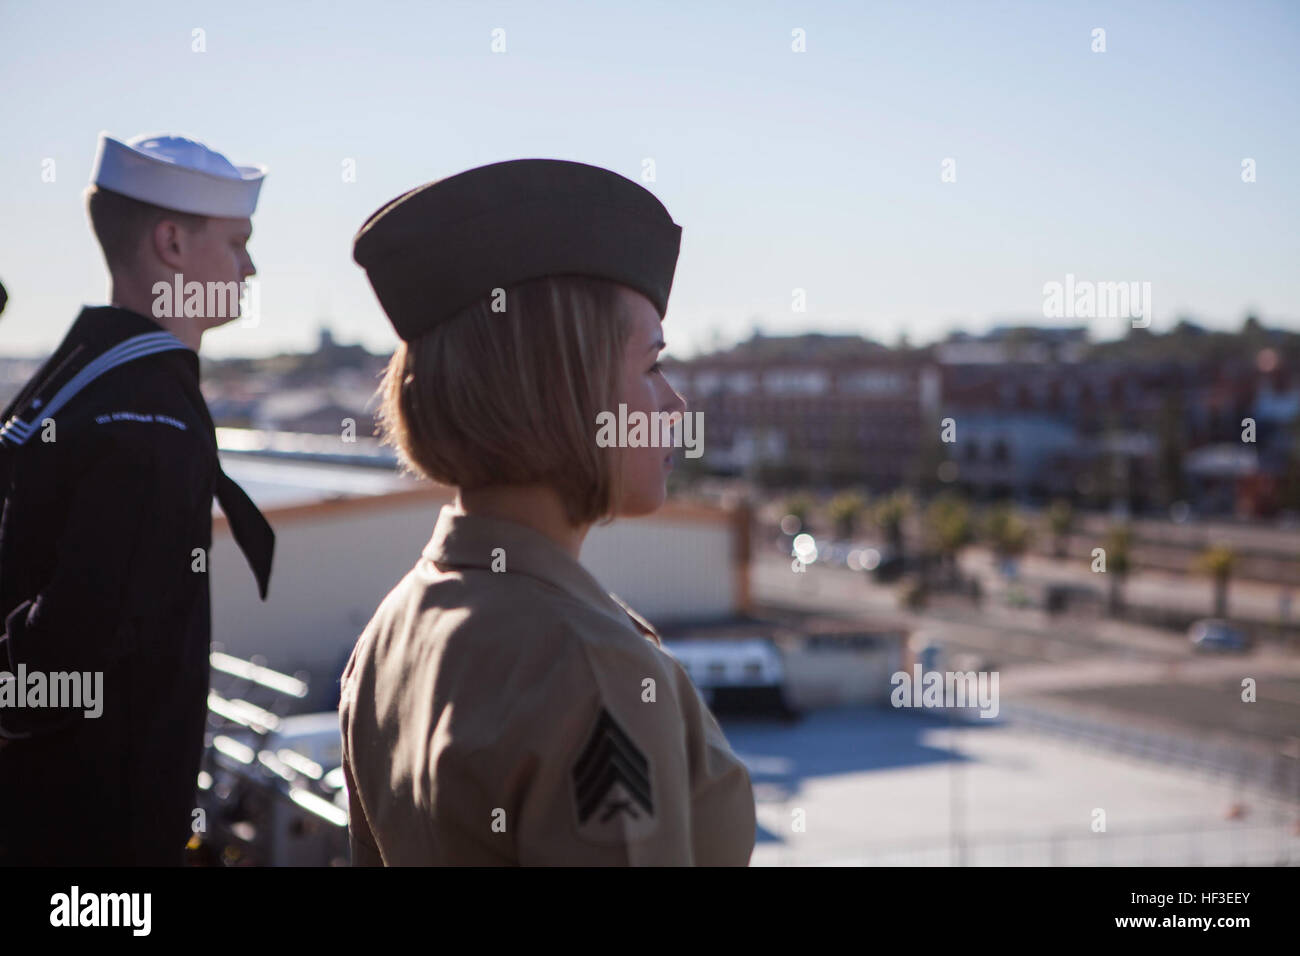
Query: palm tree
[(844, 510), (1006, 532), (1217, 561), (889, 515), (799, 505), (1119, 562), (1060, 518), (949, 525)]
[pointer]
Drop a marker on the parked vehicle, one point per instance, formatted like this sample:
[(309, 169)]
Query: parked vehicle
[(735, 676), (1060, 597), (1214, 635), (889, 567)]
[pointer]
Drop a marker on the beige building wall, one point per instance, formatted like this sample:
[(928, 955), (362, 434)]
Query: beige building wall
[(336, 560), (835, 677), (676, 565)]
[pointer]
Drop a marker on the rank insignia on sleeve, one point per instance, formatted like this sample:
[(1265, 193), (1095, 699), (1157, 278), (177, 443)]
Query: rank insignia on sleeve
[(611, 783)]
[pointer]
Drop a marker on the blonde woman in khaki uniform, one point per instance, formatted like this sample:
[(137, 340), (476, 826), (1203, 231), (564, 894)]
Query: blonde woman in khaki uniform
[(502, 707)]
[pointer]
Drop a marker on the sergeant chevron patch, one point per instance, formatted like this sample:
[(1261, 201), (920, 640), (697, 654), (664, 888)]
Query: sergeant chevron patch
[(611, 785)]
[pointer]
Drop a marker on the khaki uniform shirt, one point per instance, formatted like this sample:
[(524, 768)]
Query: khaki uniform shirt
[(503, 708)]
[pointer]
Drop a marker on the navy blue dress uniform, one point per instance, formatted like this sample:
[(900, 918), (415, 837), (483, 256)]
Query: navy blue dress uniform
[(108, 468), (97, 575), (502, 719)]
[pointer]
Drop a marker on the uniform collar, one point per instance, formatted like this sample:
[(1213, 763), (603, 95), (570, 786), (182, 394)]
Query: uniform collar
[(468, 541), (100, 327), (96, 331)]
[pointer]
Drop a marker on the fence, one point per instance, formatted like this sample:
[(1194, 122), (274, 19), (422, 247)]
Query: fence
[(1276, 773), (1271, 842), (1187, 844)]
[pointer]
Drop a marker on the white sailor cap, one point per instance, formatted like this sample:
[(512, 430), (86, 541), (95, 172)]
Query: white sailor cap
[(177, 173)]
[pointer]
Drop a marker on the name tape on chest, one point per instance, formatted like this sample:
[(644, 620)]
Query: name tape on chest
[(138, 417), (16, 431)]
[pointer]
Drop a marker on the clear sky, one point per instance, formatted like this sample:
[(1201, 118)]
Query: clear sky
[(817, 170)]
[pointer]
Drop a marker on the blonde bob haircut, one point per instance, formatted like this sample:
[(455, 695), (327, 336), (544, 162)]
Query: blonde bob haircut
[(510, 396)]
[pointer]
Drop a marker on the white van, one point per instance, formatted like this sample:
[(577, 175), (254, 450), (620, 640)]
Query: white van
[(735, 675)]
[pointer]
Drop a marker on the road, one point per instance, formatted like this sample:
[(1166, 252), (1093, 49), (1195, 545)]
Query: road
[(1104, 716), (1140, 674), (1247, 600)]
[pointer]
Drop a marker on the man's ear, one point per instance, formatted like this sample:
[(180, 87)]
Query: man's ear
[(168, 240)]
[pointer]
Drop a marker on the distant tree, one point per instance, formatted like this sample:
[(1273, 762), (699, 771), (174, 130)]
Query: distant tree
[(949, 529), (800, 505), (1119, 562), (1217, 561), (844, 511), (1006, 532), (1060, 519), (889, 515)]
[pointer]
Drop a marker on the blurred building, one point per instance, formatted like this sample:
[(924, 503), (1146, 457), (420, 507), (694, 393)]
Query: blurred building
[(1145, 430), (1037, 413), (811, 408)]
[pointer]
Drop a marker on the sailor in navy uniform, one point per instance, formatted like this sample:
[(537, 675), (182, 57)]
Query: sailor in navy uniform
[(108, 468)]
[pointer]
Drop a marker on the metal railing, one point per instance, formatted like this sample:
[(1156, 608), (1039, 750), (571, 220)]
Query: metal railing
[(1275, 843), (1276, 773), (262, 802)]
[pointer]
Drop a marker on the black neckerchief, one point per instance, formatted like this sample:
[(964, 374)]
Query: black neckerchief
[(99, 329)]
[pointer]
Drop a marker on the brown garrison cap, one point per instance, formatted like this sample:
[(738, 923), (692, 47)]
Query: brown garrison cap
[(439, 248)]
